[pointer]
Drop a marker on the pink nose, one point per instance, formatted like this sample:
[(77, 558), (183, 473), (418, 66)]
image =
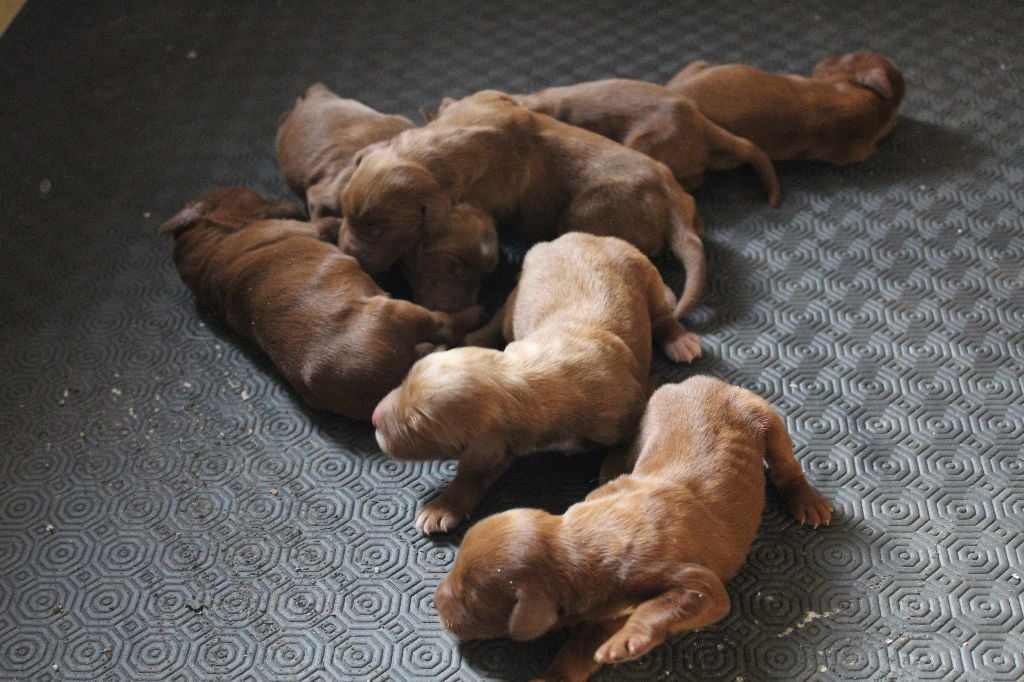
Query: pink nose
[(382, 407)]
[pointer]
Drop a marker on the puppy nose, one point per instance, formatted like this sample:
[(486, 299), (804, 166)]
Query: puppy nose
[(382, 407)]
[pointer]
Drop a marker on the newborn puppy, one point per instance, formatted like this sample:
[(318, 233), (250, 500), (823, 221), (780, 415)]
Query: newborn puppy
[(318, 146), (337, 338), (643, 557), (838, 115), (574, 377), (539, 175), (318, 140), (662, 124)]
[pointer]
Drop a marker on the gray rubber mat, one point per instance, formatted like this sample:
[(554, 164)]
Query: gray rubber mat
[(168, 509)]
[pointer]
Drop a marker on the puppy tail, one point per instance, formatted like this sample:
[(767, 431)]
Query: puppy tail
[(685, 243), (720, 139)]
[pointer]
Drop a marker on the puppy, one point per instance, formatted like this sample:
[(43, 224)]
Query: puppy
[(660, 123), (838, 115), (337, 338), (643, 557), (574, 377), (539, 175), (318, 141), (318, 146)]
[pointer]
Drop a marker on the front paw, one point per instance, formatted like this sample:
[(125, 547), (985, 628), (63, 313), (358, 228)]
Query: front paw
[(683, 347), (437, 516), (810, 508), (625, 645)]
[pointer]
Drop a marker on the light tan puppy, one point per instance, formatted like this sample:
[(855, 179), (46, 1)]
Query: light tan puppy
[(662, 124), (542, 176), (838, 115), (319, 144), (337, 338), (574, 377), (643, 557)]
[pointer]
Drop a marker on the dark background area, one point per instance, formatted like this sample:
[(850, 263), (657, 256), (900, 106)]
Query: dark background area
[(168, 510)]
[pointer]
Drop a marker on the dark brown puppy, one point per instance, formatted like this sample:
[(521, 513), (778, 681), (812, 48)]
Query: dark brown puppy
[(838, 115), (540, 175), (574, 377), (318, 140), (318, 146), (662, 124), (645, 556), (337, 338)]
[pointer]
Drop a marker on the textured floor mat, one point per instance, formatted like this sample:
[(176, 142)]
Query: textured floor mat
[(168, 509)]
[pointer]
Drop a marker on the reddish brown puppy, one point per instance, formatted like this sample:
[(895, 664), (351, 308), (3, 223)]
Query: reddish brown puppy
[(542, 176), (838, 115), (319, 144), (318, 140), (643, 557), (337, 338), (662, 124), (574, 377)]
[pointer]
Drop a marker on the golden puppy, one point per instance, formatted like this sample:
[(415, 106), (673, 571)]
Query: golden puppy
[(643, 557), (337, 338), (540, 175), (574, 377), (662, 124), (318, 146), (838, 115)]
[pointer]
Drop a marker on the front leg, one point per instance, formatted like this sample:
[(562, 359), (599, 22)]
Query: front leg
[(575, 660), (480, 465), (699, 599)]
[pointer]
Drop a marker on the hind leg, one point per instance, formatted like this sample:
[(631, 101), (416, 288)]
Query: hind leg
[(806, 504), (698, 600), (678, 344)]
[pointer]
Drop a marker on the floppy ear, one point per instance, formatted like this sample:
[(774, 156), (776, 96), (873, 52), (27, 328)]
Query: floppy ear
[(285, 210), (322, 201), (445, 103), (186, 217), (876, 81), (533, 615), (437, 206)]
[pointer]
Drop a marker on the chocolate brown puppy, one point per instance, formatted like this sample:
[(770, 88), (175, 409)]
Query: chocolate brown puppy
[(318, 140), (662, 124), (574, 377), (838, 115), (539, 175), (643, 557), (318, 146), (337, 338)]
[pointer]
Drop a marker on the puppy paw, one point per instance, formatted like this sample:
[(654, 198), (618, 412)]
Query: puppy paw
[(810, 508), (437, 517), (683, 347), (625, 645)]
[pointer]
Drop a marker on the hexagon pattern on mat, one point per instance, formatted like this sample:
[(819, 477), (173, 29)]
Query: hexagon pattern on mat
[(169, 510)]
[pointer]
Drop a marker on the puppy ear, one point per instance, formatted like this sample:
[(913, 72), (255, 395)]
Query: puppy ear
[(322, 201), (437, 206), (533, 614), (876, 81), (285, 210), (186, 217)]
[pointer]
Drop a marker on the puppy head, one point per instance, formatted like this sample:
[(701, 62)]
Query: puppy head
[(506, 580), (448, 268), (447, 400), (868, 70), (389, 205), (231, 209)]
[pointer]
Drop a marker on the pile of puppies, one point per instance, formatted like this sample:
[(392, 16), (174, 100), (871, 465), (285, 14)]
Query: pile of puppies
[(601, 169)]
